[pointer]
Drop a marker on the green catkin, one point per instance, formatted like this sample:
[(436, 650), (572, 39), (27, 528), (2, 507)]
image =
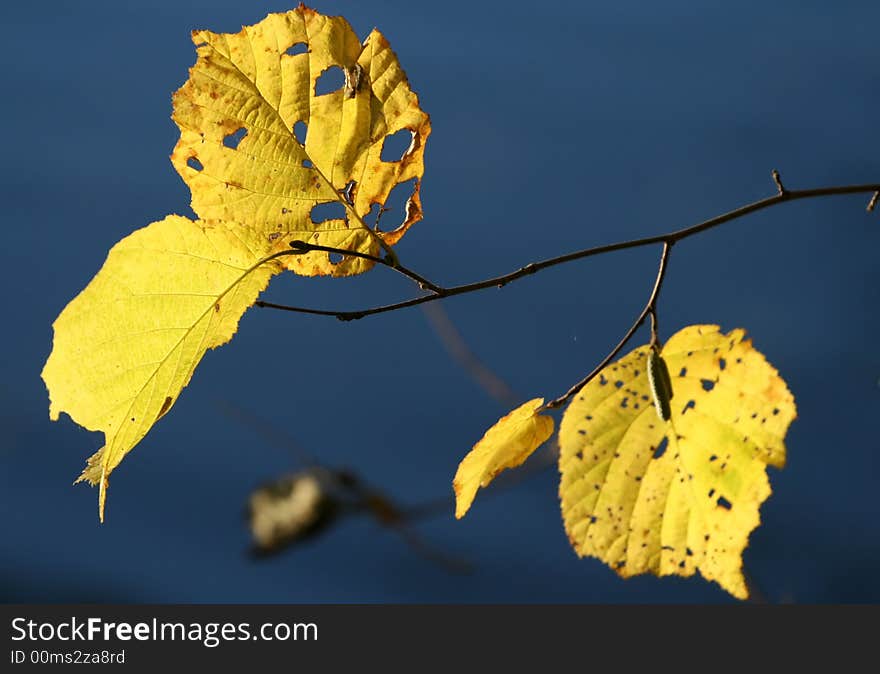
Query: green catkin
[(660, 383)]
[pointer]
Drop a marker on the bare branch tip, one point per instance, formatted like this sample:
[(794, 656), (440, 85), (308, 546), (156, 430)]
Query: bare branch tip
[(874, 199), (777, 179)]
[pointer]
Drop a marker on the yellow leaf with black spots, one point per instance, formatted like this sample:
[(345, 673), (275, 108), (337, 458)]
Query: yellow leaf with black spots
[(646, 495)]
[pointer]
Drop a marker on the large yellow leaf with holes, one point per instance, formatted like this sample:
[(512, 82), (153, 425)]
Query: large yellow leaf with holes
[(127, 344), (507, 444), (261, 82), (679, 496)]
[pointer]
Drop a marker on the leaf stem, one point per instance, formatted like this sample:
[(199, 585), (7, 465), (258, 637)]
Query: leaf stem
[(650, 308)]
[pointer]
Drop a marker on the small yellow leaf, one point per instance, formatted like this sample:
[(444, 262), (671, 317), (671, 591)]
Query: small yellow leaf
[(240, 155), (125, 347), (672, 497), (506, 445)]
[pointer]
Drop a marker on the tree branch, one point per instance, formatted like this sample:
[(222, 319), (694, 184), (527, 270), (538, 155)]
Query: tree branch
[(438, 292)]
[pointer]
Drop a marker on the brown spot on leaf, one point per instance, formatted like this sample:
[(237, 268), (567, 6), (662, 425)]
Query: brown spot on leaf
[(165, 407)]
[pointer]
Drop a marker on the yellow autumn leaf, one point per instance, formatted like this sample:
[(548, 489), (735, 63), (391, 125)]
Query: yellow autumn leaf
[(261, 82), (507, 444), (679, 496), (127, 344)]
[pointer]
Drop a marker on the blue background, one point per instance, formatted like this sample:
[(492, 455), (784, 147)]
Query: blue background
[(556, 126)]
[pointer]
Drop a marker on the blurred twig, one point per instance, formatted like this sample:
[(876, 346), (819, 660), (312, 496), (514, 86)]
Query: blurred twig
[(456, 346), (346, 494)]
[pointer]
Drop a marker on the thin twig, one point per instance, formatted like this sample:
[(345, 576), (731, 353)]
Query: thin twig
[(780, 188), (874, 199), (649, 308), (655, 329), (304, 247), (500, 281)]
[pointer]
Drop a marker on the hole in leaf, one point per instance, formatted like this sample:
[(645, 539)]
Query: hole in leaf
[(330, 210), (299, 132), (395, 145), (233, 140), (683, 372), (393, 212), (708, 384), (297, 48), (722, 363), (661, 448), (335, 258), (194, 163), (724, 503), (373, 213), (307, 163), (329, 81), (689, 406)]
